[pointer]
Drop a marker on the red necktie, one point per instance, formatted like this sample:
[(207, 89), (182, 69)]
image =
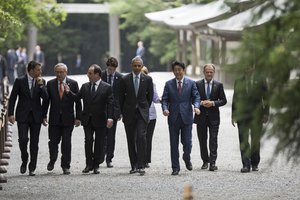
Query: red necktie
[(179, 87)]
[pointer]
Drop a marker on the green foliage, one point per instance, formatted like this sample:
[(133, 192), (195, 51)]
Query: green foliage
[(274, 49)]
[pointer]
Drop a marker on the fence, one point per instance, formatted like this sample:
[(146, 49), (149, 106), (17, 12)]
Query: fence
[(5, 133)]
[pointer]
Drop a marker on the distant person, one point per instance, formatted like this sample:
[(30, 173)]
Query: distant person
[(212, 96), (78, 64), (62, 116), (179, 97), (22, 61), (12, 59), (250, 110), (152, 121), (97, 115), (30, 89), (136, 95), (140, 51), (113, 78), (39, 56)]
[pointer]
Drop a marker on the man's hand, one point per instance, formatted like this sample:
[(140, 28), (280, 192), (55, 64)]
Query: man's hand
[(39, 81), (66, 88), (11, 119), (166, 112), (109, 123), (45, 122), (197, 111), (77, 122), (207, 103)]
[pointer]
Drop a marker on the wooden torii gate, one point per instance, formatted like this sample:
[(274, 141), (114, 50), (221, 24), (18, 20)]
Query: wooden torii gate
[(78, 8)]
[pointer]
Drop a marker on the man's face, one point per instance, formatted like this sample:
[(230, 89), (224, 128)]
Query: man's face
[(61, 73), (91, 74), (137, 66), (209, 72), (178, 72), (111, 69), (36, 72)]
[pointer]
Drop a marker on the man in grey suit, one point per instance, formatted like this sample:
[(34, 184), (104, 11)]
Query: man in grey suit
[(96, 116), (212, 97), (136, 94), (180, 94), (62, 116)]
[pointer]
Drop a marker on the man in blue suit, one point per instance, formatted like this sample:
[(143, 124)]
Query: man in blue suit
[(180, 93)]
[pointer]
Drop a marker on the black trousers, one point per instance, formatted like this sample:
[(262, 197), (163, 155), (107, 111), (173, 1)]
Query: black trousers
[(61, 133), (93, 147), (136, 141), (250, 152), (202, 130), (109, 144), (34, 131), (149, 136)]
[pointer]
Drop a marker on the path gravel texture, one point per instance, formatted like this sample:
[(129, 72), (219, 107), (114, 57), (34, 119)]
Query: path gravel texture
[(276, 180)]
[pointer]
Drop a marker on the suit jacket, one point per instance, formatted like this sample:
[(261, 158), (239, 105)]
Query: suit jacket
[(64, 106), (129, 102), (249, 99), (180, 104), (115, 88), (26, 103), (98, 107), (217, 95)]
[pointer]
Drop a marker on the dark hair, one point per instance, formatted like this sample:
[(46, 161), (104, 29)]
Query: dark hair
[(97, 69), (180, 64), (32, 64), (111, 61)]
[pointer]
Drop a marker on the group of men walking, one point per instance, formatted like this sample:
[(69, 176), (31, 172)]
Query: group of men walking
[(109, 96)]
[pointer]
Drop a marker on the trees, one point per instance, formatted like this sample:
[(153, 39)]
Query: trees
[(15, 15), (274, 49)]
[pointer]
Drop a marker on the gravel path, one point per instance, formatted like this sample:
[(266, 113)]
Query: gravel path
[(279, 180)]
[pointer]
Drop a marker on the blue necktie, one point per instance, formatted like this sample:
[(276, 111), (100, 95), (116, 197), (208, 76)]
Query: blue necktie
[(208, 90), (136, 84)]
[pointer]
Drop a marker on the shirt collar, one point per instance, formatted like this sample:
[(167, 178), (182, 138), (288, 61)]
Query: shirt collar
[(180, 80), (134, 75), (98, 82), (205, 81)]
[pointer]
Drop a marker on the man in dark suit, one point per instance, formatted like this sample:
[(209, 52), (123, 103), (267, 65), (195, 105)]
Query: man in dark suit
[(96, 116), (250, 110), (136, 94), (180, 94), (212, 97), (62, 117), (29, 89), (112, 77)]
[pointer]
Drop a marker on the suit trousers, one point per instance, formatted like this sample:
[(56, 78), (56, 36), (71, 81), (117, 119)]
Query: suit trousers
[(61, 133), (213, 140), (149, 136), (185, 131), (34, 129), (136, 141), (250, 153), (109, 144), (93, 156)]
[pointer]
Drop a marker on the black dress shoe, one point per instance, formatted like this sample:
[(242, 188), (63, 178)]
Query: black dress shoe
[(50, 166), (255, 168), (245, 169), (141, 171), (96, 170), (175, 172), (109, 165), (87, 169), (66, 171), (147, 165), (205, 165), (23, 168), (213, 167), (133, 170), (188, 165), (31, 173)]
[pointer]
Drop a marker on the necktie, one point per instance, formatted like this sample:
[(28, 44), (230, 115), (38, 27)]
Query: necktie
[(94, 89), (61, 91), (136, 84), (208, 90), (32, 87), (109, 79), (179, 87)]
